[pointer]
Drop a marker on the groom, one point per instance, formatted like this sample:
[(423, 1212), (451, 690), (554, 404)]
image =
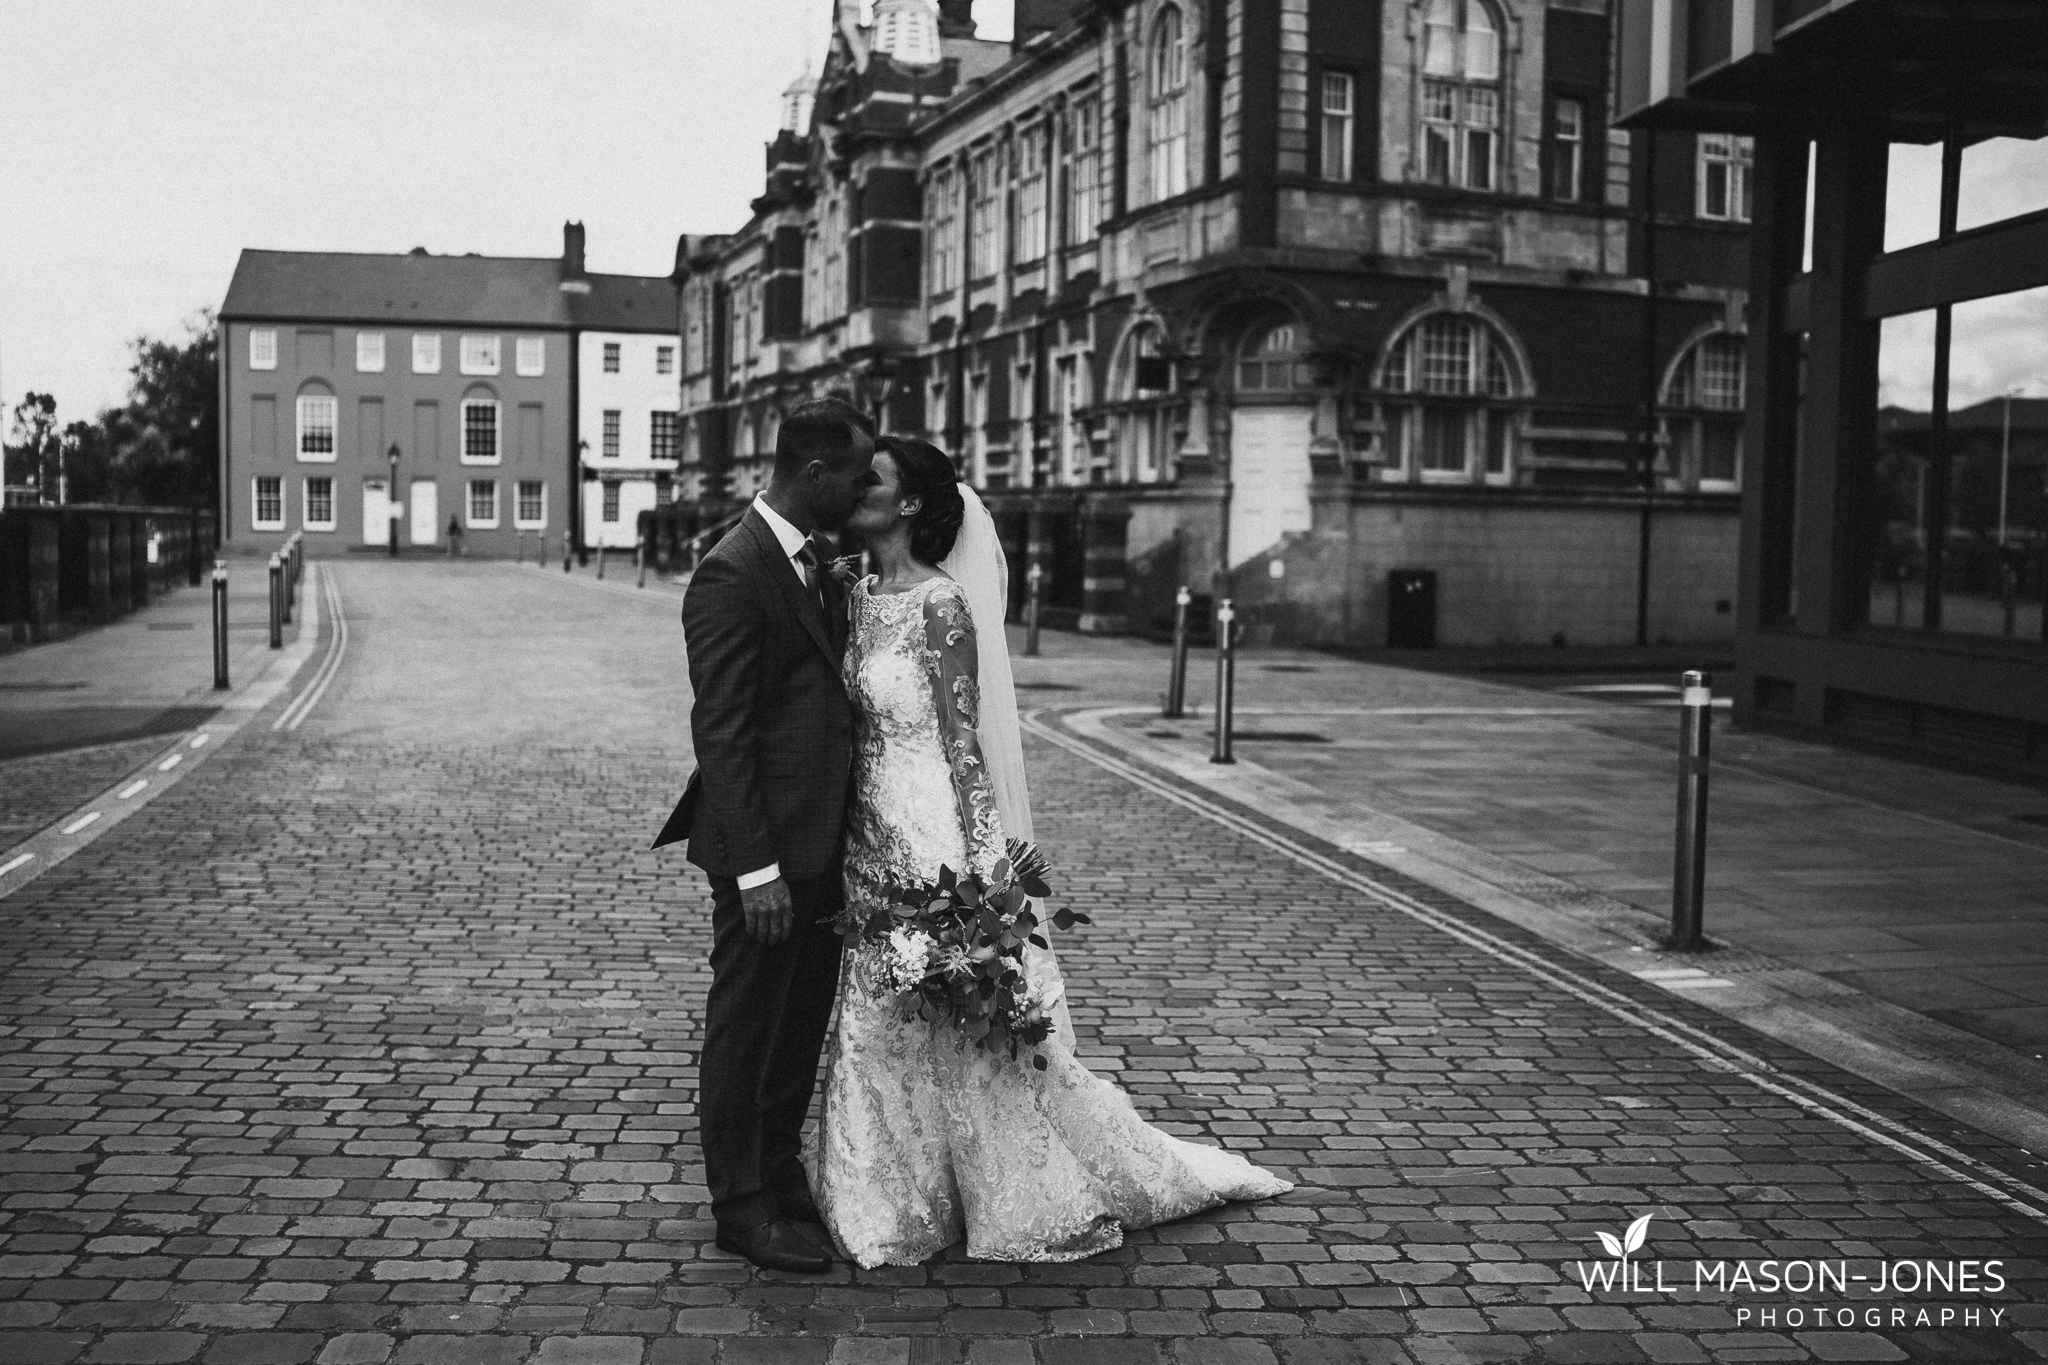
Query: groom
[(765, 627)]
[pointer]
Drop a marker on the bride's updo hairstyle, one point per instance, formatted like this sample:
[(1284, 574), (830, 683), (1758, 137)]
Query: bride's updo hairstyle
[(928, 476)]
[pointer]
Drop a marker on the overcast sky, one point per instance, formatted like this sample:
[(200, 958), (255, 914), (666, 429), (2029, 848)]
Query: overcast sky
[(143, 143)]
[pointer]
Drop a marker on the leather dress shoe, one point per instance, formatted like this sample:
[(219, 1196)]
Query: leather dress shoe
[(775, 1245), (798, 1207)]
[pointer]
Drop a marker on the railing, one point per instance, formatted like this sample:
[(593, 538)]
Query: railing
[(84, 564)]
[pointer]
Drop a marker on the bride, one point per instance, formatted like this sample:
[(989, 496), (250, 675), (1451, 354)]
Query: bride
[(927, 1140)]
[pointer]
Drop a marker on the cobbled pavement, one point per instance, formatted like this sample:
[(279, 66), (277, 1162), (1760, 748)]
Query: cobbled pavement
[(358, 1047)]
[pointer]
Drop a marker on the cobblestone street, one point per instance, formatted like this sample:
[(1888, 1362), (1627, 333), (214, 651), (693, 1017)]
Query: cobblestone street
[(374, 1041)]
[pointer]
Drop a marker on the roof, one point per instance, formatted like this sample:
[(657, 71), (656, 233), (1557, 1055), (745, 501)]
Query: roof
[(978, 57), (421, 289), (626, 303)]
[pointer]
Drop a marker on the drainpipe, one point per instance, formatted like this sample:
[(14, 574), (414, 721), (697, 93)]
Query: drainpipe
[(575, 498), (1649, 443)]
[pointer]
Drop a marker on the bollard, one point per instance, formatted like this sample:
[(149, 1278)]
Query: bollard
[(289, 574), (600, 560), (277, 601), (1689, 865), (220, 625), (567, 551), (1226, 679), (640, 558), (1177, 680), (1034, 579)]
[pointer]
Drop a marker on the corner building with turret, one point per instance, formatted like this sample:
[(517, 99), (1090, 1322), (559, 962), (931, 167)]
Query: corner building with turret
[(1356, 311)]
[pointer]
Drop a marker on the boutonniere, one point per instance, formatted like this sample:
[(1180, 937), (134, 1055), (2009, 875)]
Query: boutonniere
[(845, 570)]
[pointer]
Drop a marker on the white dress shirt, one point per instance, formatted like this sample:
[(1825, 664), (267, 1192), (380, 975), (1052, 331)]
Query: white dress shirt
[(792, 542), (788, 537)]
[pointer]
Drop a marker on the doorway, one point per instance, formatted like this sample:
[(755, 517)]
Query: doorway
[(1268, 477), (426, 512), (376, 511)]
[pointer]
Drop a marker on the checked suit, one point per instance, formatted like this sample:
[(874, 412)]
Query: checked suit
[(772, 728)]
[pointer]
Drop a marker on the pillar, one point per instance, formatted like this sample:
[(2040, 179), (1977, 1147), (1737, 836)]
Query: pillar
[(43, 572), (1105, 532), (138, 561), (99, 570)]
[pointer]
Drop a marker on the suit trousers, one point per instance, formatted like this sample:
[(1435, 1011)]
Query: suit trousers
[(764, 1029)]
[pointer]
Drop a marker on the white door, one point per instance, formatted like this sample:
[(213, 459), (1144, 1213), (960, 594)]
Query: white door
[(426, 512), (376, 512), (1268, 477)]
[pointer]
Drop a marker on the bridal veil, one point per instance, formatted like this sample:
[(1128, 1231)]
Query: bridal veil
[(977, 563)]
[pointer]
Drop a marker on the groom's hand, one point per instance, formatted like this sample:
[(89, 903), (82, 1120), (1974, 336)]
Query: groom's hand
[(770, 915)]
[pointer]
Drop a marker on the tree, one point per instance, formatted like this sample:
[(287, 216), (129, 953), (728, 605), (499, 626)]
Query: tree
[(34, 449), (162, 444), (157, 449), (88, 464)]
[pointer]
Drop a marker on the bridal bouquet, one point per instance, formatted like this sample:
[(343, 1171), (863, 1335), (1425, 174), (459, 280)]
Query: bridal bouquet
[(953, 949)]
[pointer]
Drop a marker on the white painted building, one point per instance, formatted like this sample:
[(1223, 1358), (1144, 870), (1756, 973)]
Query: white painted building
[(628, 436)]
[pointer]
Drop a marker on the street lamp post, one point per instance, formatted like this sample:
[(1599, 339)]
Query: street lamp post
[(391, 498)]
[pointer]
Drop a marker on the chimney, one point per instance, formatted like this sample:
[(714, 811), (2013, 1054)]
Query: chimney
[(1034, 17), (572, 250), (956, 18)]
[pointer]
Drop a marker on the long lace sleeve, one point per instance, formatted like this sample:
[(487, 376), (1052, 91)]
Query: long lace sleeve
[(950, 660)]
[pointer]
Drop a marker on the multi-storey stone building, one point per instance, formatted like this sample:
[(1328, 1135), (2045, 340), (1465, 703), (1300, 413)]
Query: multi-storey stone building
[(1285, 296)]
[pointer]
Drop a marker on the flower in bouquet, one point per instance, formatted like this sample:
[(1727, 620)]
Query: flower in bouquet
[(952, 950), (905, 959)]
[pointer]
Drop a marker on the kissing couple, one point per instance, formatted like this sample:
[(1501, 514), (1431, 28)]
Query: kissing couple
[(853, 739)]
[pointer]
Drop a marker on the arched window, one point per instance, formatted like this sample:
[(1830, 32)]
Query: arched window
[(1166, 90), (482, 431), (1703, 405), (1271, 360), (1461, 100), (1447, 380), (318, 420), (771, 427)]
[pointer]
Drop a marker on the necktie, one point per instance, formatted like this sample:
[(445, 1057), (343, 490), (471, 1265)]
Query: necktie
[(814, 574)]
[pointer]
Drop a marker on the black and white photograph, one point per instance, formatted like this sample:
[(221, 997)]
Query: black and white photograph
[(1023, 682)]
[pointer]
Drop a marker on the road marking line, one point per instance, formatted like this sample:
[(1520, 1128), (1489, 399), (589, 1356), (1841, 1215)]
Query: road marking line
[(1930, 1153), (78, 830), (337, 645)]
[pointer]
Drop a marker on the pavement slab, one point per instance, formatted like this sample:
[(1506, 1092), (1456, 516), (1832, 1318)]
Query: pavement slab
[(374, 1040)]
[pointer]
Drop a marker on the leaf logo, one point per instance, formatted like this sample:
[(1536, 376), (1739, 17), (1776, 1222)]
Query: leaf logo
[(1632, 1240)]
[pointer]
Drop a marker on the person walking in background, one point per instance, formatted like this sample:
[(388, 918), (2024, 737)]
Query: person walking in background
[(455, 535)]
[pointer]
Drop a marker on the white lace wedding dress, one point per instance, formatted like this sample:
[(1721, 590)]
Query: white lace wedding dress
[(927, 1140)]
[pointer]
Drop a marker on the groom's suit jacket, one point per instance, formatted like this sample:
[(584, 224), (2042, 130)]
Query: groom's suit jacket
[(771, 724)]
